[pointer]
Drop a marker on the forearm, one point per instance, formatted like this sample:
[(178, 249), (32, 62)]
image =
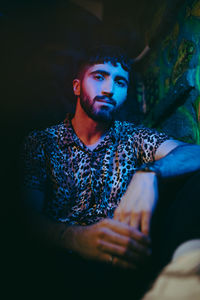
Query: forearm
[(98, 241), (43, 229), (183, 160), (139, 201)]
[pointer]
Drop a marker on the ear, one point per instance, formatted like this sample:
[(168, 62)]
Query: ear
[(76, 87)]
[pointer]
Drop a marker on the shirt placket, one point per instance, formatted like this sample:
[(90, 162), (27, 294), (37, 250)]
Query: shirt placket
[(93, 186), (99, 173)]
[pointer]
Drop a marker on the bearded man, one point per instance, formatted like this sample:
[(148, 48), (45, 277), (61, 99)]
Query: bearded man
[(91, 182)]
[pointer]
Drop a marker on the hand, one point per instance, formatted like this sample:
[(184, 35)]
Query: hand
[(109, 239), (138, 203)]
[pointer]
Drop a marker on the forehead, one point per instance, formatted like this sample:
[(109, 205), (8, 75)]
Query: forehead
[(108, 67)]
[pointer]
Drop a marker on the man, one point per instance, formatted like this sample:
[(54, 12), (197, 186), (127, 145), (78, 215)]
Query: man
[(91, 183)]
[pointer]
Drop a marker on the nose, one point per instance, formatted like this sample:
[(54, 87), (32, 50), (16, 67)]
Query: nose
[(108, 88)]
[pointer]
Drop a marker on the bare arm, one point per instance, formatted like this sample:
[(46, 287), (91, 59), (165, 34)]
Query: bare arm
[(173, 159), (100, 241), (41, 227), (181, 160)]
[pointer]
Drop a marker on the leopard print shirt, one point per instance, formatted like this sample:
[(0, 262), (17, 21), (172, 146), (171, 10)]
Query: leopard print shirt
[(83, 186)]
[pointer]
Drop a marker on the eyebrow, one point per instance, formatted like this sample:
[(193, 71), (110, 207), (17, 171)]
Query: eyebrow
[(103, 72)]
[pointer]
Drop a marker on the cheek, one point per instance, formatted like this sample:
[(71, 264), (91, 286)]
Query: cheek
[(121, 95), (90, 88)]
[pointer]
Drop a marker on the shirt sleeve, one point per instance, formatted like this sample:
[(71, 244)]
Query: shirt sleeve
[(33, 163), (146, 142)]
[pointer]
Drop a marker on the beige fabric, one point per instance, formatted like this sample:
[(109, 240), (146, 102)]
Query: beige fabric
[(180, 280), (186, 247)]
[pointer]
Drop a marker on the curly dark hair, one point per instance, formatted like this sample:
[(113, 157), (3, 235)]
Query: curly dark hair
[(102, 54)]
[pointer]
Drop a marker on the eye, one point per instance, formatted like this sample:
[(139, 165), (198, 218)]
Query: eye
[(98, 77), (121, 83)]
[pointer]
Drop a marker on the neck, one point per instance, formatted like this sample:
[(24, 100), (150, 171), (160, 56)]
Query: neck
[(88, 130)]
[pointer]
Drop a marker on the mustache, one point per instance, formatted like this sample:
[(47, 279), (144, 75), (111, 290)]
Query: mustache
[(105, 98)]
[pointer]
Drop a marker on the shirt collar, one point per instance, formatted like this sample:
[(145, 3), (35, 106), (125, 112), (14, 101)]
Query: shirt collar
[(70, 136)]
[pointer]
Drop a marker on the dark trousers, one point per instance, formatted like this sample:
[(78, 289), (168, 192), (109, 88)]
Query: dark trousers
[(176, 220)]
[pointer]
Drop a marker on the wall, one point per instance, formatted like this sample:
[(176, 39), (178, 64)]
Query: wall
[(168, 90)]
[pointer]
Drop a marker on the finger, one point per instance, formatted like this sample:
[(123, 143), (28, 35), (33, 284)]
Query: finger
[(111, 248), (139, 249), (107, 258), (135, 220), (122, 216), (145, 222), (140, 237), (129, 244), (117, 214), (128, 254), (123, 264), (126, 230)]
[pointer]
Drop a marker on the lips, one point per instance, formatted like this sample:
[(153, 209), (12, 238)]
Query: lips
[(107, 101)]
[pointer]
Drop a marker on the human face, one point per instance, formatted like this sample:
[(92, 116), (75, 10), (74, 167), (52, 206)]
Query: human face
[(103, 89)]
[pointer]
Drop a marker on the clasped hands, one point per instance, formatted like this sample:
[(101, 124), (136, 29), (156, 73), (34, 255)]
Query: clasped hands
[(124, 240)]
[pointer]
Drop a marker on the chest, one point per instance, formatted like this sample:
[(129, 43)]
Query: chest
[(75, 167)]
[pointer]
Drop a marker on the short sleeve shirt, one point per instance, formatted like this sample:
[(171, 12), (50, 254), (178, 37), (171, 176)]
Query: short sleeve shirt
[(83, 186)]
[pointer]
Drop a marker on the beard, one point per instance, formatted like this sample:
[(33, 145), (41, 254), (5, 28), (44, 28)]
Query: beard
[(104, 114)]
